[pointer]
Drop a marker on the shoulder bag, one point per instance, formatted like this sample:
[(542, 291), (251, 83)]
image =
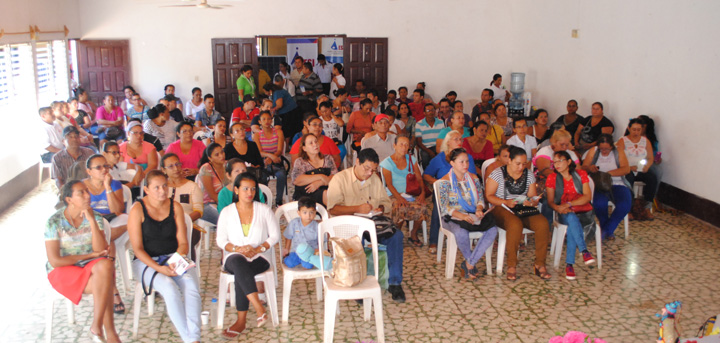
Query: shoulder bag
[(520, 210), (412, 184)]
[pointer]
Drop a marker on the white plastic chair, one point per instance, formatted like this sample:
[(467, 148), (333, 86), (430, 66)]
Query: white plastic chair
[(452, 243), (122, 246), (558, 237), (51, 295), (140, 293), (485, 166), (41, 167), (368, 290), (227, 279), (270, 201), (410, 222), (289, 210)]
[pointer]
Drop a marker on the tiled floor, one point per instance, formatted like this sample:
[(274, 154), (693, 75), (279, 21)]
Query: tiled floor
[(671, 258)]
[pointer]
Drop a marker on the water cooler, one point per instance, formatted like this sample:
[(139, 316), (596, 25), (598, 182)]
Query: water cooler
[(520, 101)]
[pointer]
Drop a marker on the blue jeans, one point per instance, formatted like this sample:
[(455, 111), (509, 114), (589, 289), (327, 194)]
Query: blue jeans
[(278, 170), (343, 151), (210, 214), (394, 246), (185, 315), (546, 211), (462, 238), (623, 203), (575, 235)]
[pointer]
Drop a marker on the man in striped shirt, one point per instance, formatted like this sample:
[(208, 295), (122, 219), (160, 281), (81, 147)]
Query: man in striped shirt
[(65, 158), (426, 133)]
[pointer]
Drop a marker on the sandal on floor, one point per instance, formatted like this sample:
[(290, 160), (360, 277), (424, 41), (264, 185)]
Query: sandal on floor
[(542, 274), (96, 338), (432, 249), (415, 241), (465, 271), (262, 320), (512, 276), (120, 307), (230, 334)]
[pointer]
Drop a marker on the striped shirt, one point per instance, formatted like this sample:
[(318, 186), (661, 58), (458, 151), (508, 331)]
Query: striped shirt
[(497, 175), (309, 83), (429, 134), (268, 144)]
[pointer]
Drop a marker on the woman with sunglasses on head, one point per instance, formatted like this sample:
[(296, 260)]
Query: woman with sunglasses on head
[(569, 195), (106, 198), (157, 231), (246, 232), (136, 151)]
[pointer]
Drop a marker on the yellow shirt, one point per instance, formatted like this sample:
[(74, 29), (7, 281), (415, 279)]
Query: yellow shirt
[(495, 135), (346, 190)]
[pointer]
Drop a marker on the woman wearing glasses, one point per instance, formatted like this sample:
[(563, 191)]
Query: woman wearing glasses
[(129, 174), (136, 151), (106, 198)]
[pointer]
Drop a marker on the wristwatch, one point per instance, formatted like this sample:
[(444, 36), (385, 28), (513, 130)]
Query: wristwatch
[(262, 248)]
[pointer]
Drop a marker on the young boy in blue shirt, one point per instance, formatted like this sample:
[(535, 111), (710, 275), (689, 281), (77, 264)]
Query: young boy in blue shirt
[(301, 230)]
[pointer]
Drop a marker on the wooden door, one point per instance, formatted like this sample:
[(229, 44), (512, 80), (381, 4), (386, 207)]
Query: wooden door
[(366, 58), (228, 56), (104, 68)]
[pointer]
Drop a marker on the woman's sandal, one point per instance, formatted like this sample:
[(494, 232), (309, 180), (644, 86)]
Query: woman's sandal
[(120, 307), (542, 274), (262, 320), (96, 338), (432, 249), (512, 276), (415, 241), (230, 334)]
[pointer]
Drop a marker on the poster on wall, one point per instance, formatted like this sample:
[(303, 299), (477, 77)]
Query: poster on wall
[(332, 48), (305, 47)]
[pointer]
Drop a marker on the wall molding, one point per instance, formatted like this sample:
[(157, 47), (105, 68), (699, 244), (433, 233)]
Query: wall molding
[(697, 206)]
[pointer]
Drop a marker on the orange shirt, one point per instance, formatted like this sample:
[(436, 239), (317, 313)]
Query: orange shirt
[(360, 122)]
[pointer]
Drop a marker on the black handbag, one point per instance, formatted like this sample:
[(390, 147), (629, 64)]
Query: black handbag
[(521, 211), (384, 227), (486, 223)]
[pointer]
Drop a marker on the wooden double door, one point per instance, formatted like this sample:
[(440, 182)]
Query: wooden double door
[(104, 68), (365, 58)]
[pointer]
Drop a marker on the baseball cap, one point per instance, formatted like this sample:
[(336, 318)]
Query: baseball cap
[(70, 129), (380, 117)]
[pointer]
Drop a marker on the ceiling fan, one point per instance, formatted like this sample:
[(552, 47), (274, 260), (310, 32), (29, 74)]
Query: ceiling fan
[(201, 4)]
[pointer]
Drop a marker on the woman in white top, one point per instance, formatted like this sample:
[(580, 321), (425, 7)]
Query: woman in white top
[(338, 80), (194, 105), (246, 231), (185, 192), (129, 174), (499, 91), (640, 157), (606, 158)]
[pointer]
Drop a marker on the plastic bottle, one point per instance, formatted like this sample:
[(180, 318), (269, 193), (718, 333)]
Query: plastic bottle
[(213, 312)]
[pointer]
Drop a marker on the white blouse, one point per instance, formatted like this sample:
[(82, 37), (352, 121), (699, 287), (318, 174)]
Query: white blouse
[(263, 228)]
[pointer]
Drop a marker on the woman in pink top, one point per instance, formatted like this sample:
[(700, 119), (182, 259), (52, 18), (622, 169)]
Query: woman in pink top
[(271, 142), (110, 116), (189, 150), (136, 151)]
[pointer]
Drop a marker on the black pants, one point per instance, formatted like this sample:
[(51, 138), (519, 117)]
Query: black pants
[(245, 272), (650, 180), (326, 88), (196, 235)]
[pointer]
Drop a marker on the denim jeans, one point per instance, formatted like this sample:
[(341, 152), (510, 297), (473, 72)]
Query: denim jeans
[(462, 238), (575, 235), (185, 314), (394, 246), (623, 203), (278, 170), (434, 223), (210, 214)]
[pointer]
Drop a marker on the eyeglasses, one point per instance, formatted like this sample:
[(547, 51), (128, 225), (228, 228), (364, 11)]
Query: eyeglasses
[(104, 166), (315, 125), (245, 189), (136, 133), (430, 110), (559, 161), (176, 165), (185, 131)]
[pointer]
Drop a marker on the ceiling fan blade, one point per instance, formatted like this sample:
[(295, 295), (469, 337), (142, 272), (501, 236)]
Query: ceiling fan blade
[(178, 6)]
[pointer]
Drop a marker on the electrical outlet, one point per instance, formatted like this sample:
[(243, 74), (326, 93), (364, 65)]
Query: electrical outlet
[(574, 33)]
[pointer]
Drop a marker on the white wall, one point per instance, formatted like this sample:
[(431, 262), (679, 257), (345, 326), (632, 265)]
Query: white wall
[(17, 16), (652, 56)]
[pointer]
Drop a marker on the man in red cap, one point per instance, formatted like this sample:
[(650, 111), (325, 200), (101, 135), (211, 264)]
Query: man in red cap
[(380, 140)]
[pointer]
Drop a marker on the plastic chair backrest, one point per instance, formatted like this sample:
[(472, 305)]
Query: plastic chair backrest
[(346, 227), (127, 196), (436, 189), (107, 229), (485, 166), (269, 198), (591, 183), (289, 211), (189, 227)]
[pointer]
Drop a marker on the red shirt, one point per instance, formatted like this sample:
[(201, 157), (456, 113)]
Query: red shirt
[(327, 147), (569, 191), (238, 114), (417, 110), (485, 154)]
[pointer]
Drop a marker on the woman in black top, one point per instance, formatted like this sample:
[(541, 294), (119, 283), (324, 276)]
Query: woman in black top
[(157, 230), (590, 129), (241, 148)]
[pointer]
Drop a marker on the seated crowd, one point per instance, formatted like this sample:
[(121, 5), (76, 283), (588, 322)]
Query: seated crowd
[(345, 150)]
